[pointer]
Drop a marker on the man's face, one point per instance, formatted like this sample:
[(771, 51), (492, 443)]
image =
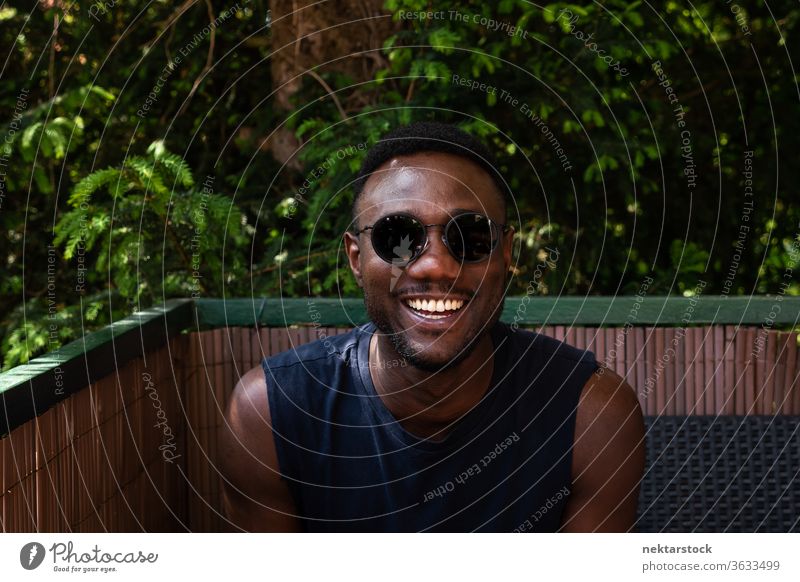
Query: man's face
[(433, 187)]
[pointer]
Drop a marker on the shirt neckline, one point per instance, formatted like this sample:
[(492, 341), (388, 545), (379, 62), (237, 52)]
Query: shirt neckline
[(464, 427)]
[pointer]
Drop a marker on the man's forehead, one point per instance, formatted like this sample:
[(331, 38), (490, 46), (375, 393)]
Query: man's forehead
[(433, 177)]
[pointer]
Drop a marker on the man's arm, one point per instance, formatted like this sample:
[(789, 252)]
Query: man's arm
[(608, 458), (254, 497)]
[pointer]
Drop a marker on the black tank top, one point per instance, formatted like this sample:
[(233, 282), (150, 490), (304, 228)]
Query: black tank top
[(504, 466)]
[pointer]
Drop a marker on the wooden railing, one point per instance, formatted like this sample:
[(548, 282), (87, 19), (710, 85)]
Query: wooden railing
[(117, 432)]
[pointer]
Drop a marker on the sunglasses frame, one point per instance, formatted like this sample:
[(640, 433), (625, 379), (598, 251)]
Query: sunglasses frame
[(497, 228)]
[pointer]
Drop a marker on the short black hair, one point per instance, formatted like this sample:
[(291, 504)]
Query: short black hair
[(427, 136)]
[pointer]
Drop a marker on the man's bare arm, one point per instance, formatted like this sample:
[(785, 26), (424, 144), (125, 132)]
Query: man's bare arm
[(254, 497), (608, 458)]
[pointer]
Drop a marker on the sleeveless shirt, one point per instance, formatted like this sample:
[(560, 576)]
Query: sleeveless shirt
[(351, 466)]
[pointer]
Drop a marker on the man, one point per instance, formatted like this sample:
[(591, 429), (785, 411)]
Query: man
[(435, 416)]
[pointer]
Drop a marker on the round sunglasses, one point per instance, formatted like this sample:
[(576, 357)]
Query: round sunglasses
[(400, 238)]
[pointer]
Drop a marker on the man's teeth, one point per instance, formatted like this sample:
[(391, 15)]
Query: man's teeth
[(435, 306)]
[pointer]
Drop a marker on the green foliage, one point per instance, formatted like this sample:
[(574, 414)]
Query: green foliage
[(38, 325), (130, 177), (71, 135), (623, 209), (147, 218)]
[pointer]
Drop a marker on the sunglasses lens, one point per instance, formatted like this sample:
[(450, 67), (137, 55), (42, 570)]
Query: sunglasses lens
[(398, 239), (470, 237)]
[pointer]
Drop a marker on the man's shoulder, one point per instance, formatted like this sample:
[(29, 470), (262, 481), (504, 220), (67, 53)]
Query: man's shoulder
[(608, 456), (325, 351), (301, 378)]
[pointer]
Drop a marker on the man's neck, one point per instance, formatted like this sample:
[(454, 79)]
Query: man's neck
[(427, 403)]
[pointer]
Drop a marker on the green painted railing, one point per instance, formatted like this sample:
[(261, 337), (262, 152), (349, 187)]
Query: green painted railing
[(527, 311), (29, 390)]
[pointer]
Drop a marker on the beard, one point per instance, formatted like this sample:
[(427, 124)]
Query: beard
[(415, 354)]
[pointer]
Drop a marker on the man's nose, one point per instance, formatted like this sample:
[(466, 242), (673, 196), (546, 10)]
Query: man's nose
[(436, 262)]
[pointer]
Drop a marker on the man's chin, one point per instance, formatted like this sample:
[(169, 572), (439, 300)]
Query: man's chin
[(425, 357), (425, 353)]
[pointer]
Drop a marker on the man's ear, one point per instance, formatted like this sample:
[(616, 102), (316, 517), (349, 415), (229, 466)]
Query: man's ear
[(353, 254)]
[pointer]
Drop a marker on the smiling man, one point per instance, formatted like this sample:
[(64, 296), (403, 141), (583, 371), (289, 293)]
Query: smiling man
[(435, 416)]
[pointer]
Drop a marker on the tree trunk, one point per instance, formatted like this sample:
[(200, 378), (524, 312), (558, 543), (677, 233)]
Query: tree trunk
[(344, 35)]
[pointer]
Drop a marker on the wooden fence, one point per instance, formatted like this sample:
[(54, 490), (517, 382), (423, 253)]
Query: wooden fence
[(131, 445), (92, 461)]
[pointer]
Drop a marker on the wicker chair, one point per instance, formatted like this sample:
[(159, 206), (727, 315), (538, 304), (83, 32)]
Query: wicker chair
[(721, 474)]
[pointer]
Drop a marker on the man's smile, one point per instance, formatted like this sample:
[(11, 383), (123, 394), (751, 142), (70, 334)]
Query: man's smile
[(431, 306), (426, 309)]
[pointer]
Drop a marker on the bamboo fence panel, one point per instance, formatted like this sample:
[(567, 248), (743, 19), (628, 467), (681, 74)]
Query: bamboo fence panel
[(93, 461)]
